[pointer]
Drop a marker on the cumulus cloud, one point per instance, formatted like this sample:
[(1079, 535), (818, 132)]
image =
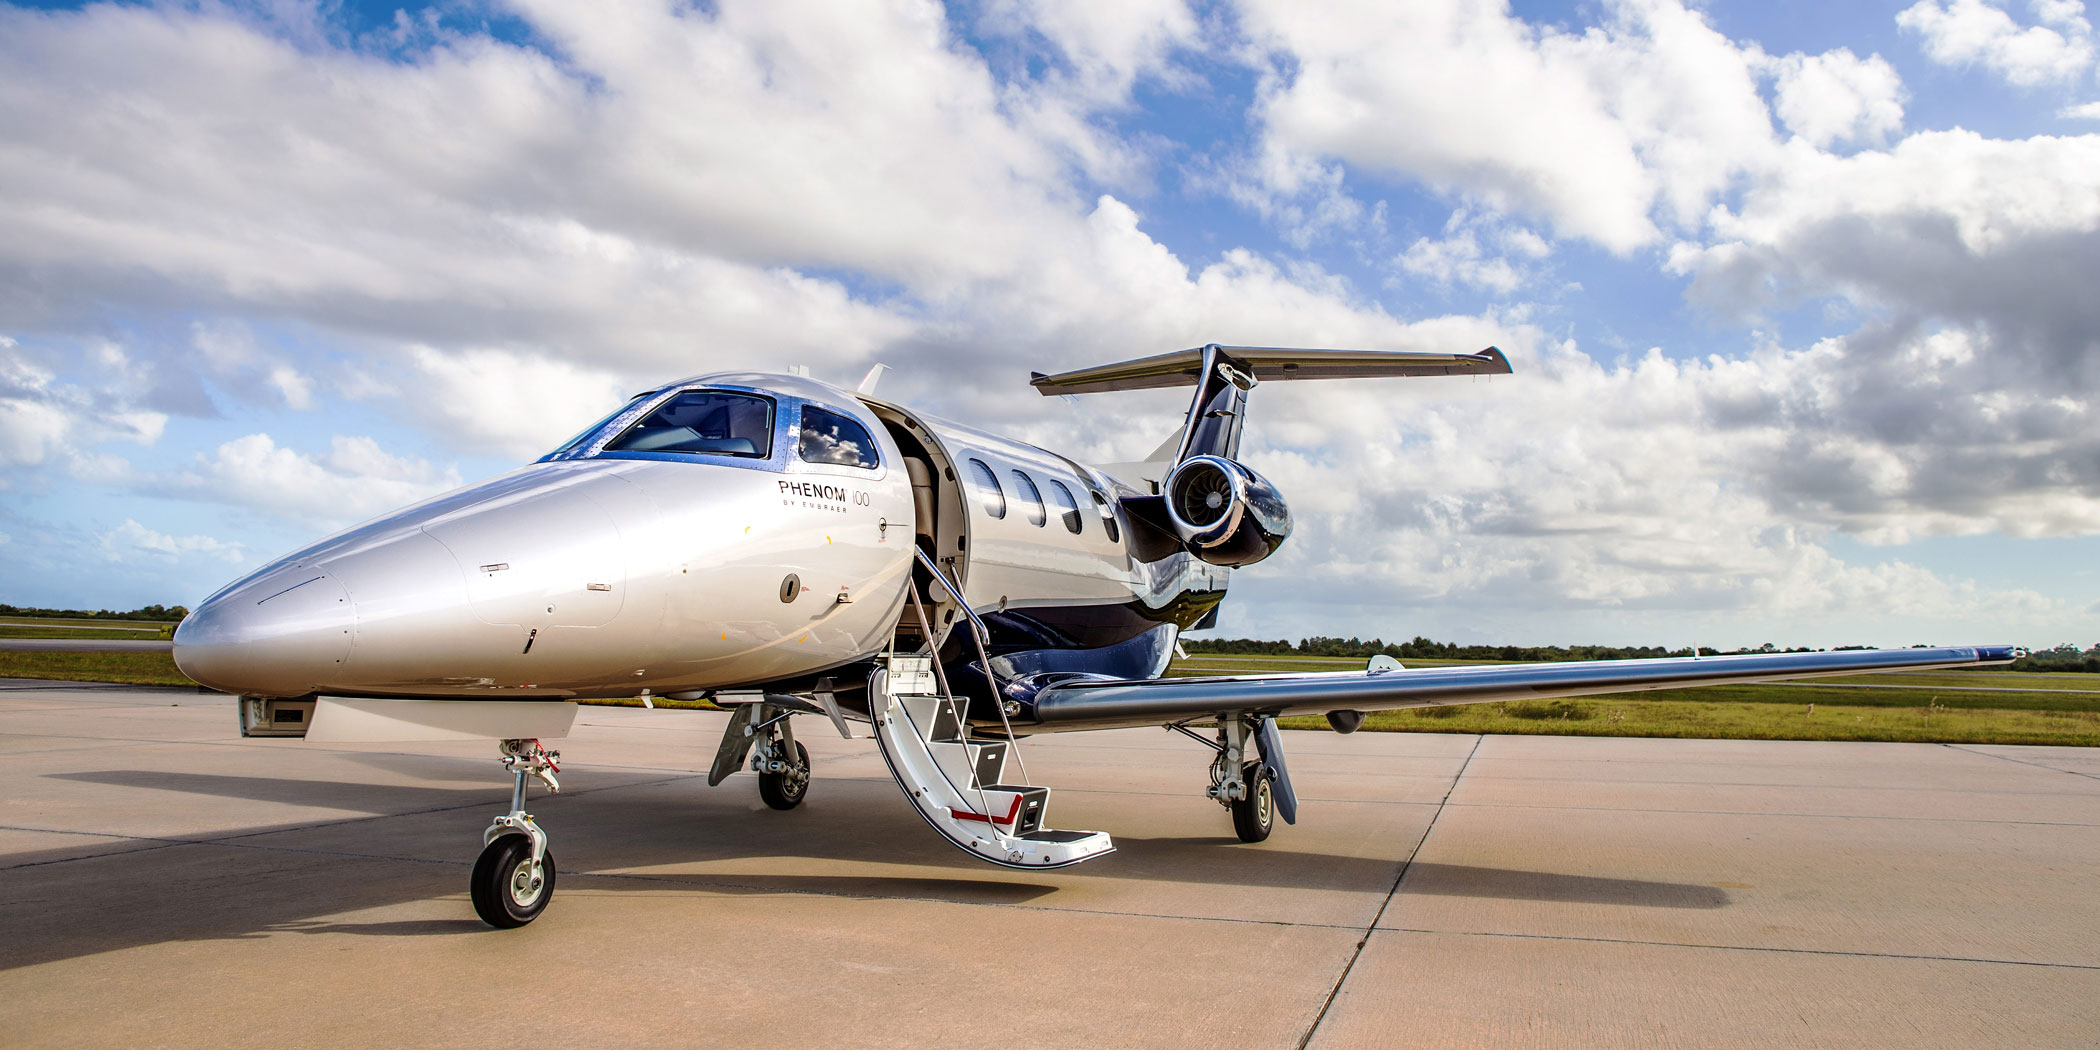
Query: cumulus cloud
[(1950, 226), (1654, 487), (1459, 258), (1095, 57), (1970, 32), (44, 420), (1838, 97), (127, 542), (515, 403), (354, 479), (229, 350), (1593, 132), (496, 241)]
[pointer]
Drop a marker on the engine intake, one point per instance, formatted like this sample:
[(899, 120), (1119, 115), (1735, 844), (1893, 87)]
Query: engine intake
[(1224, 513)]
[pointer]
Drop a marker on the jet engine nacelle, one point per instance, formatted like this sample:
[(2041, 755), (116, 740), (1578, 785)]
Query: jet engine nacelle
[(1224, 513)]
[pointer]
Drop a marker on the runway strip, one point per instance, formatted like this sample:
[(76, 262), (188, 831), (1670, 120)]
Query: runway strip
[(165, 883)]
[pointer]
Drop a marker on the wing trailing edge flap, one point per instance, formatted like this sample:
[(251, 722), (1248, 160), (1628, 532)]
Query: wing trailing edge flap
[(1105, 705)]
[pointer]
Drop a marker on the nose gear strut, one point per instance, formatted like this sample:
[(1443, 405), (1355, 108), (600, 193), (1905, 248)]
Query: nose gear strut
[(514, 877)]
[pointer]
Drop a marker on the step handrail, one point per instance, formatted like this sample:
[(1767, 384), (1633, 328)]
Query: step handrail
[(940, 678), (980, 634)]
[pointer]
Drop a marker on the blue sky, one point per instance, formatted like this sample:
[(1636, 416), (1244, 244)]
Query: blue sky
[(1793, 290)]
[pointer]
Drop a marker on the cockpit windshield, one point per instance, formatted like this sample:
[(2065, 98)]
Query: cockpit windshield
[(586, 433), (711, 422)]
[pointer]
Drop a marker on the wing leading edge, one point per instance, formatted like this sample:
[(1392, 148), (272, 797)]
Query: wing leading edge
[(1075, 705)]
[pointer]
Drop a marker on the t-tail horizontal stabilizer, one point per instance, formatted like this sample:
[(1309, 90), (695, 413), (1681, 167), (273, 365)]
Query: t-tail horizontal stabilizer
[(1267, 364), (1222, 375), (957, 783)]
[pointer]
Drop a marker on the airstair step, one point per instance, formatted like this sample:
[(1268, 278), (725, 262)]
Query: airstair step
[(957, 782)]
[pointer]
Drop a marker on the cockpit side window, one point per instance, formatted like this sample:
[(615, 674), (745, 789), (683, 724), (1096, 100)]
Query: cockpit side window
[(828, 437), (709, 422)]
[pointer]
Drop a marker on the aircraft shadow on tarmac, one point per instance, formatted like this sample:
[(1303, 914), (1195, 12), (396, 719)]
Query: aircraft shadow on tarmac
[(624, 831)]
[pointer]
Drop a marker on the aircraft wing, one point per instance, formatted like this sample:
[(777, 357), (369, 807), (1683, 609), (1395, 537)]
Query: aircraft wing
[(1097, 704)]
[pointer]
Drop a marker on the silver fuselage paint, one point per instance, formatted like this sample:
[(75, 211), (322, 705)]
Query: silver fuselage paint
[(1019, 560), (590, 575)]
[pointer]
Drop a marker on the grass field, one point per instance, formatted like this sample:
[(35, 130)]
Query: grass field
[(1970, 707), (85, 629), (88, 665), (1984, 706)]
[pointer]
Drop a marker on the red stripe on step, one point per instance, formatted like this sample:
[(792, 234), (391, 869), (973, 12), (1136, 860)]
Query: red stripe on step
[(964, 814)]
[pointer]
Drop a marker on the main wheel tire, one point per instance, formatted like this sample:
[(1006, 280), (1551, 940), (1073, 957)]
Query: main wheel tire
[(785, 790), (1254, 817), (502, 888)]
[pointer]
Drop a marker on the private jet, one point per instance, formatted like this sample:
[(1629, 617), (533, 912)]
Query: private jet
[(785, 547)]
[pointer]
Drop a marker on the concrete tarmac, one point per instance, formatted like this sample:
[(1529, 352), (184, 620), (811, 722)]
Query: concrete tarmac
[(165, 883)]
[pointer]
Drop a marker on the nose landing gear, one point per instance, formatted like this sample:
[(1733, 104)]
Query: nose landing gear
[(514, 877)]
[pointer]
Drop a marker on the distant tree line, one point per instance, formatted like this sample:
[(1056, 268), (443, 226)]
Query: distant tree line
[(2061, 658), (149, 612)]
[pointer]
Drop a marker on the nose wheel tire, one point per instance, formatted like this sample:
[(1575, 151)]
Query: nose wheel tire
[(787, 790), (505, 893), (1254, 816)]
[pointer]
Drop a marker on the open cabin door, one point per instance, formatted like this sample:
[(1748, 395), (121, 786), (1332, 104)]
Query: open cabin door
[(940, 526)]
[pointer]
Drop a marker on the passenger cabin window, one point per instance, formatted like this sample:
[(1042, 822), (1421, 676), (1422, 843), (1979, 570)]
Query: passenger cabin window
[(1108, 518), (1066, 506), (828, 437), (710, 422), (1031, 499), (988, 493)]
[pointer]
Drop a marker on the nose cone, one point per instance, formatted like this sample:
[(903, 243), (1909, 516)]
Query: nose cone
[(283, 632)]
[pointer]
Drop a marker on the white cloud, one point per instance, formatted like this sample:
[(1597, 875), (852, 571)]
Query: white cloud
[(1657, 491), (1458, 258), (2082, 111), (515, 403), (1950, 225), (1839, 97), (1593, 131), (128, 541), (44, 420), (230, 352), (497, 244), (1096, 55), (1970, 32), (355, 479)]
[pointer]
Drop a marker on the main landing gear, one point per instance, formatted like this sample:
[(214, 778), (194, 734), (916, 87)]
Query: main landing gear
[(514, 878), (761, 730), (1255, 791)]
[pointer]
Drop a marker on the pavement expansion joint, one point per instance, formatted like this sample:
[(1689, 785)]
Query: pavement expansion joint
[(1399, 877), (2021, 761), (1763, 948)]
